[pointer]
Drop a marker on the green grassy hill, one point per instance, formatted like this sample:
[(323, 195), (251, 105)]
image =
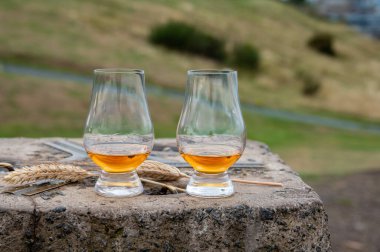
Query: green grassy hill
[(82, 35)]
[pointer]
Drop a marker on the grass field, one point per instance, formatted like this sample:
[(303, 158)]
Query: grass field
[(34, 107), (82, 35)]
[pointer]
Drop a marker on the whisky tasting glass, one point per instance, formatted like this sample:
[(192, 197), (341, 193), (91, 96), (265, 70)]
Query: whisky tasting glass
[(211, 132), (118, 134)]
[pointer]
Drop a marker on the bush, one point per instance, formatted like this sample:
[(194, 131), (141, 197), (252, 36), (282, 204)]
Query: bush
[(322, 43), (183, 37), (311, 85), (247, 56), (297, 2)]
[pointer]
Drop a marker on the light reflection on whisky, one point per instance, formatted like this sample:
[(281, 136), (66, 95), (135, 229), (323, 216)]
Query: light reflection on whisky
[(211, 163), (118, 157), (118, 163)]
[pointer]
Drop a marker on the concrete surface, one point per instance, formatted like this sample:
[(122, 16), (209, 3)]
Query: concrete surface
[(74, 218)]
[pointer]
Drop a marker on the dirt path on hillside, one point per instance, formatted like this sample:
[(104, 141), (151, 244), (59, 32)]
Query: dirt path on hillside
[(353, 207), (178, 94)]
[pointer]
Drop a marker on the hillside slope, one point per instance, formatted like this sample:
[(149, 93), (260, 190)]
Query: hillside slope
[(82, 35)]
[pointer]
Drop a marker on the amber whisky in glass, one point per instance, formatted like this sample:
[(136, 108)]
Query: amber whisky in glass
[(211, 131), (118, 133)]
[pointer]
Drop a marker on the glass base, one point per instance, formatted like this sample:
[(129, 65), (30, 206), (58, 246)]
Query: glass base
[(210, 185), (118, 184)]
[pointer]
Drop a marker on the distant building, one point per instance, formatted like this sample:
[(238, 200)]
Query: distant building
[(363, 14)]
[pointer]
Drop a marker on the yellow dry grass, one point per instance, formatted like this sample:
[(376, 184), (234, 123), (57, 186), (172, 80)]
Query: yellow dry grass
[(114, 33)]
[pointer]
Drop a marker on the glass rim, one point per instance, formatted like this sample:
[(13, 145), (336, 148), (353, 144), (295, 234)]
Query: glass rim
[(119, 70), (211, 71)]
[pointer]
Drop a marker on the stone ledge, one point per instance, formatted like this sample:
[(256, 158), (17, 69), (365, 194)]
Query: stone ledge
[(256, 218)]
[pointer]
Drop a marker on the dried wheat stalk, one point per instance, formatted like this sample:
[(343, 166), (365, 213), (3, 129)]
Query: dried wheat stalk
[(172, 188), (152, 170), (34, 173), (159, 171), (6, 165), (149, 169), (163, 172)]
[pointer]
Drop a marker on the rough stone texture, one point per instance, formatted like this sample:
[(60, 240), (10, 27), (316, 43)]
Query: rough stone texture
[(74, 218), (17, 221)]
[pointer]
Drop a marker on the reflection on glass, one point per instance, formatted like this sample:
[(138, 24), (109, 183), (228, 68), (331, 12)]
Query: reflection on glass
[(119, 133), (211, 132)]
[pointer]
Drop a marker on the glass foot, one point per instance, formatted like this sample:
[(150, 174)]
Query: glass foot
[(118, 184), (210, 185)]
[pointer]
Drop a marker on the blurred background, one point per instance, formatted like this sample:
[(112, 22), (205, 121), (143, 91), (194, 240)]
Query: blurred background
[(309, 80)]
